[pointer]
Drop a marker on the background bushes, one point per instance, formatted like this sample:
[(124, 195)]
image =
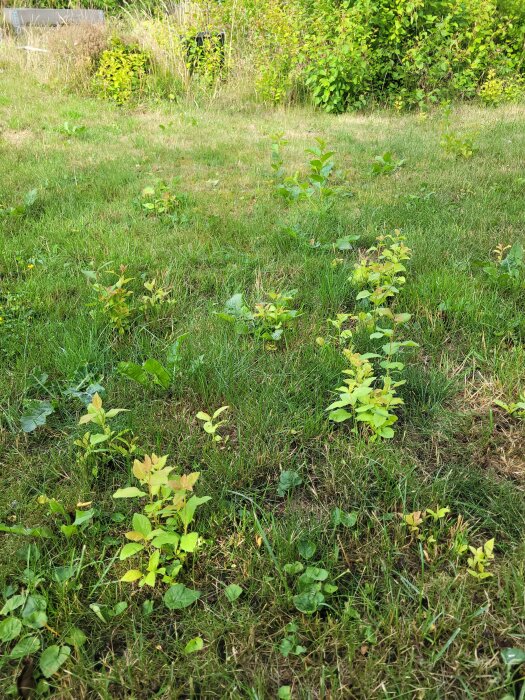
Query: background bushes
[(338, 54)]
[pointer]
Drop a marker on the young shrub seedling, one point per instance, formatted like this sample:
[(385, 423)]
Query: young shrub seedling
[(72, 130), (481, 559), (160, 200), (458, 146), (507, 269), (211, 425), (293, 188), (113, 300), (160, 533), (367, 397), (268, 321), (514, 410), (156, 295), (386, 164), (103, 445), (20, 210)]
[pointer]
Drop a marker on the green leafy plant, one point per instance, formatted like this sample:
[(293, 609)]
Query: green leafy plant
[(151, 372), (268, 321), (20, 210), (481, 559), (233, 592), (156, 295), (371, 405), (35, 414), (339, 333), (507, 269), (458, 146), (160, 200), (25, 629), (386, 164), (290, 645), (293, 188), (113, 300), (211, 425), (85, 383), (367, 397), (160, 533), (103, 445), (437, 534), (312, 586), (72, 130), (288, 480), (514, 409), (497, 90), (121, 72)]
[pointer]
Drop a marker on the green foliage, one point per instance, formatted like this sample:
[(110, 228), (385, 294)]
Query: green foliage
[(386, 164), (312, 586), (22, 209), (293, 188), (103, 445), (345, 54), (151, 372), (35, 414), (156, 295), (25, 629), (160, 532), (371, 400), (441, 538), (160, 200), (507, 269), (480, 560), (288, 480), (369, 404), (289, 645), (497, 90), (211, 425), (514, 409), (121, 72), (268, 321), (205, 59), (233, 592), (113, 300), (72, 130), (458, 146)]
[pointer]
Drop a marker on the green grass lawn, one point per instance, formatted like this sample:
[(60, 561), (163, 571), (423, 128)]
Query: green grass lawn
[(406, 620)]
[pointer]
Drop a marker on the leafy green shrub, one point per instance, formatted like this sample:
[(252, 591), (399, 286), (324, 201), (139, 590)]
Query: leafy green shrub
[(291, 187), (121, 72), (160, 532), (386, 164), (267, 322), (162, 201), (351, 53), (103, 444), (507, 269), (495, 90), (371, 400)]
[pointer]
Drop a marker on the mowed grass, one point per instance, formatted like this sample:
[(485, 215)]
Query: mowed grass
[(401, 625)]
